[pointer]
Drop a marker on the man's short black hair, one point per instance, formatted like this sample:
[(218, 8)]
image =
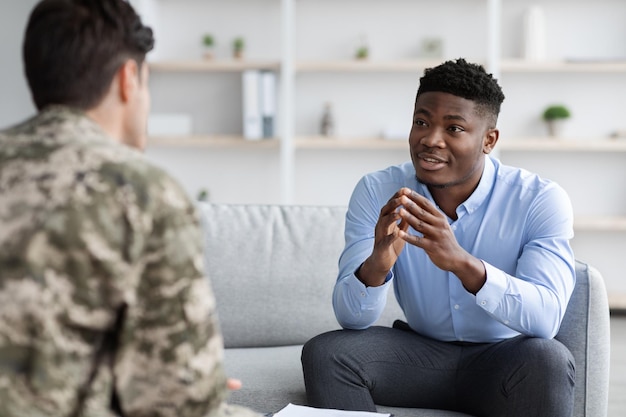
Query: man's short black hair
[(466, 80), (73, 48)]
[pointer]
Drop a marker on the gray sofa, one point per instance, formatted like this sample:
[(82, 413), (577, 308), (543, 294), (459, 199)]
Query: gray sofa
[(272, 270)]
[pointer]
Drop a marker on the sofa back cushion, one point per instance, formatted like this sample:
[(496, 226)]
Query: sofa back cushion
[(273, 268)]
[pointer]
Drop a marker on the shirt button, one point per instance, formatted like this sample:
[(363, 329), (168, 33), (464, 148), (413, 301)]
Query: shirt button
[(483, 303), (362, 294), (456, 306), (506, 322), (454, 227)]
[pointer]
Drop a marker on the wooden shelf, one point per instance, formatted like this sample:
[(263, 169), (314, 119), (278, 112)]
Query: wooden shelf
[(322, 142), (562, 145), (600, 223), (410, 65), (518, 144), (520, 66), (366, 65), (373, 143), (506, 66), (212, 65), (222, 141), (617, 301)]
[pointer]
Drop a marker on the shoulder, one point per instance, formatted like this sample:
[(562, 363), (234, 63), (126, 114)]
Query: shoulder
[(529, 189), (153, 189), (78, 165), (516, 178)]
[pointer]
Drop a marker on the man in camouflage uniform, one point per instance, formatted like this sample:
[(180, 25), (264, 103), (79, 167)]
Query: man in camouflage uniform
[(104, 310)]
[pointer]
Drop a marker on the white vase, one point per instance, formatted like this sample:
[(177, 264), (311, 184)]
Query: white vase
[(534, 34), (555, 127)]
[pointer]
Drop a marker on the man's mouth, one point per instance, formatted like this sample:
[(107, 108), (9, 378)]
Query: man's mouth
[(430, 161)]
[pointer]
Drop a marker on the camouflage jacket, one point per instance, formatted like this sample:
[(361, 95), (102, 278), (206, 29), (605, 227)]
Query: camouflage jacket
[(104, 309)]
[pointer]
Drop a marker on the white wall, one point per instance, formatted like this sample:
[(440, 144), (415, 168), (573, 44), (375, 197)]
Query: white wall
[(364, 104), (15, 102), (367, 103)]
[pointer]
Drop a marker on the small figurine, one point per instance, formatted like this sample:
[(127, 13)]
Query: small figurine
[(327, 127)]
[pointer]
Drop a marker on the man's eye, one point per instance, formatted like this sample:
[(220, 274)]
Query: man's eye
[(456, 129), (419, 122)]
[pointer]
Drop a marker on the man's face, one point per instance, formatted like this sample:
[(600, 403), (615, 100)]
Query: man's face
[(136, 127), (448, 139)]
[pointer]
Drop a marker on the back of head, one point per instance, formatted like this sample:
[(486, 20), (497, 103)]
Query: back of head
[(73, 48), (466, 80)]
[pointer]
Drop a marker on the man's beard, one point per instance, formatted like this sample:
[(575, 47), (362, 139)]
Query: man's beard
[(447, 184), (433, 185)]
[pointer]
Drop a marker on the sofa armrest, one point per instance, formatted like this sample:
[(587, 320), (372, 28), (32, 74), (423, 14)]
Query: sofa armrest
[(586, 332)]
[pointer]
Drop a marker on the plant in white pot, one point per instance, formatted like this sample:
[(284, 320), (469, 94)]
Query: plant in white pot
[(239, 45), (554, 116), (208, 43), (362, 51)]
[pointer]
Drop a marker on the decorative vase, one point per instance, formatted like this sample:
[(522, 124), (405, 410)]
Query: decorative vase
[(555, 127)]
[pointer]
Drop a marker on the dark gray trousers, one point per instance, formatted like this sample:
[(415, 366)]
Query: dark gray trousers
[(355, 369)]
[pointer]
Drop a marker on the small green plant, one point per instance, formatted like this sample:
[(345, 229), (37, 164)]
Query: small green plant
[(554, 116), (239, 45), (208, 41), (203, 195), (362, 52), (557, 111)]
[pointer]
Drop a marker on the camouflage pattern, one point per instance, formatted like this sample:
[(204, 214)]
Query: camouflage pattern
[(104, 309)]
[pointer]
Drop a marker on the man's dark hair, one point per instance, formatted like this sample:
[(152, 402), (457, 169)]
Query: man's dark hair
[(73, 48), (466, 80)]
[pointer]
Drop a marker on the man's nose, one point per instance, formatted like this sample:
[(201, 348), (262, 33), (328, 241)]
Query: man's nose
[(433, 138)]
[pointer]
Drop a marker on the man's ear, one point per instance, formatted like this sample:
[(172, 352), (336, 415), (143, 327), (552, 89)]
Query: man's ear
[(491, 138), (128, 78)]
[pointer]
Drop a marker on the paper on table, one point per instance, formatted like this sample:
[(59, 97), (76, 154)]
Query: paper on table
[(292, 410)]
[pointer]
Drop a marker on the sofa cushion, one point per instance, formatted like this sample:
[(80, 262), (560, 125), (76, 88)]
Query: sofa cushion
[(274, 280), (272, 378)]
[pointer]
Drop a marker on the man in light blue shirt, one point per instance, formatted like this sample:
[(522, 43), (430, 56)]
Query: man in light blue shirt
[(479, 258)]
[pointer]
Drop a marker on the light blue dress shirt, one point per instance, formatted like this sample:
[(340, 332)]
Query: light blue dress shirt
[(517, 223)]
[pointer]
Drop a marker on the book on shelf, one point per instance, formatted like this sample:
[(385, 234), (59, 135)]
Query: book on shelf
[(259, 104), (252, 124)]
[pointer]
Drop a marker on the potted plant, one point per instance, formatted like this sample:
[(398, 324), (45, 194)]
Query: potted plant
[(362, 51), (203, 195), (554, 116), (208, 42), (239, 45)]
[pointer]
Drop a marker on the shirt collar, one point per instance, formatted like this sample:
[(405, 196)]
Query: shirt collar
[(483, 189)]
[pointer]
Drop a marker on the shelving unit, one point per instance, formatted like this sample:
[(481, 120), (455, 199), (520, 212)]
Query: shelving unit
[(214, 142), (367, 94), (562, 67), (212, 65), (323, 142), (351, 66), (600, 224), (563, 145)]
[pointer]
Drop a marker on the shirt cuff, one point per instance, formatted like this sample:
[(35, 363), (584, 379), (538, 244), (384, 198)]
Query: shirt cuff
[(368, 296), (494, 289)]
